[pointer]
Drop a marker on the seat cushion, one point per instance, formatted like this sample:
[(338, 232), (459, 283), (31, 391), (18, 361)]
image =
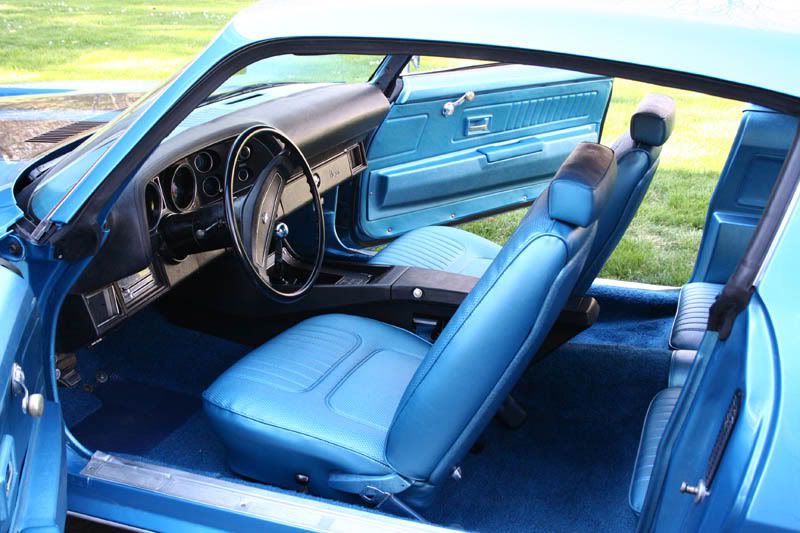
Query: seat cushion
[(655, 424), (691, 319), (440, 248), (317, 398)]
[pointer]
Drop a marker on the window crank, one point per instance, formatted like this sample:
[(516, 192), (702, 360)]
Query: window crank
[(32, 404), (450, 107)]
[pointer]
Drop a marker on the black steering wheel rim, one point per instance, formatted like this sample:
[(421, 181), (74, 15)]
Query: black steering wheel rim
[(261, 279)]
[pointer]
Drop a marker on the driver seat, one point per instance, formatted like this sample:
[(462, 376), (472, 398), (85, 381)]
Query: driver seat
[(347, 406)]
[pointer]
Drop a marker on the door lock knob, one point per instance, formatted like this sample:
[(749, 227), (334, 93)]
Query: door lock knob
[(35, 405), (32, 404), (699, 491)]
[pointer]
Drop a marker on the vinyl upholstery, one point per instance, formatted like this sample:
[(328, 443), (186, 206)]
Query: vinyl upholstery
[(637, 153), (441, 248), (679, 366), (691, 320), (329, 386), (653, 120), (655, 425), (354, 403)]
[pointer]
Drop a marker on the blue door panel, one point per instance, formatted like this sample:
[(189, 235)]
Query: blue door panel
[(496, 152), (742, 192), (32, 469), (43, 488)]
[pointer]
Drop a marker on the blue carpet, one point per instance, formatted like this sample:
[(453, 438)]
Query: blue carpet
[(567, 469), (149, 349), (154, 373), (127, 407)]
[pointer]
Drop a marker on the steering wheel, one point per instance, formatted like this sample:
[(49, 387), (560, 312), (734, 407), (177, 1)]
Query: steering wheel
[(253, 230)]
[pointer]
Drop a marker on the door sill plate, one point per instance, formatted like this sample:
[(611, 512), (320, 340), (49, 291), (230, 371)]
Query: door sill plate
[(271, 506)]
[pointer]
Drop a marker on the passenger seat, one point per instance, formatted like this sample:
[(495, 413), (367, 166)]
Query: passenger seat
[(637, 152)]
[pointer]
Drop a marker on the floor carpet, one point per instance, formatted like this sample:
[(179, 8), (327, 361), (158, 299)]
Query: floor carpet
[(567, 469)]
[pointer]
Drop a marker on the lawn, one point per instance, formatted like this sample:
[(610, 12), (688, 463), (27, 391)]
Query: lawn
[(107, 39)]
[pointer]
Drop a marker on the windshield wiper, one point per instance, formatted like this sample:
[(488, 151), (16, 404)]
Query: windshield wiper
[(242, 90)]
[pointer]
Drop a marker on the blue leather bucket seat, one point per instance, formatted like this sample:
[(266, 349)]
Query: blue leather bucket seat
[(352, 406), (461, 252)]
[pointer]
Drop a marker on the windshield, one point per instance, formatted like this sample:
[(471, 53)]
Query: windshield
[(278, 70)]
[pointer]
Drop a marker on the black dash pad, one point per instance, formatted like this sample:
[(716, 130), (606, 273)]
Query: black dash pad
[(134, 417)]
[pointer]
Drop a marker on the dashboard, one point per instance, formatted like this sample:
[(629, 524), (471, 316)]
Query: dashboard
[(169, 221), (195, 181)]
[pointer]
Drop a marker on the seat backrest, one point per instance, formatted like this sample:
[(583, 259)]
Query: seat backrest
[(488, 343), (637, 152)]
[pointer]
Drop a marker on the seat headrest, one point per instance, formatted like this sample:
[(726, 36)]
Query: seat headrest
[(582, 184), (653, 120)]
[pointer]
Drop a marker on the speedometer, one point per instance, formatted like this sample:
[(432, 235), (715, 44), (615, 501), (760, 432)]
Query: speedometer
[(182, 188)]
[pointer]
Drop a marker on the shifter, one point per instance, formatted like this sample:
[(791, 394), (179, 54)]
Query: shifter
[(281, 231)]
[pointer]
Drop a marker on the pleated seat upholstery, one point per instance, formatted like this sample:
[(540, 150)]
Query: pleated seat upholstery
[(655, 424), (440, 248), (691, 319), (328, 386)]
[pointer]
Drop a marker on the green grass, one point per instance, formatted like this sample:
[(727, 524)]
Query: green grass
[(135, 39), (105, 39), (661, 243)]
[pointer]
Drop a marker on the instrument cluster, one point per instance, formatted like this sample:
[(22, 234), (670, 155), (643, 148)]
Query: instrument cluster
[(196, 180)]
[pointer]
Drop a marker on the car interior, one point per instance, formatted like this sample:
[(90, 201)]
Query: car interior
[(287, 297)]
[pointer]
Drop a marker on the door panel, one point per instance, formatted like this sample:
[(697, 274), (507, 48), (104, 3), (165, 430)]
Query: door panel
[(498, 151), (32, 459), (753, 165)]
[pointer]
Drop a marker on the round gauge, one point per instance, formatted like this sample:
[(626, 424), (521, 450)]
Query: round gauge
[(152, 204), (182, 188), (245, 154), (211, 186), (243, 174), (203, 162)]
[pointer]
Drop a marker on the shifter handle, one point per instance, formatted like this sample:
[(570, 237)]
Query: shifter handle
[(281, 231)]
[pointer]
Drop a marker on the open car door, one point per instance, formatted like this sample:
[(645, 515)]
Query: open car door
[(463, 143), (32, 442)]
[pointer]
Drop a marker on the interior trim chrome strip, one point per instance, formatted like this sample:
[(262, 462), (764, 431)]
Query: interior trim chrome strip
[(286, 509)]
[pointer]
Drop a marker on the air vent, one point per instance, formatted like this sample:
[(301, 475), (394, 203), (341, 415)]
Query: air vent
[(357, 159), (65, 132)]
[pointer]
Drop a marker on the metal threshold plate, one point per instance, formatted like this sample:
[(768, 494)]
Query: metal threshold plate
[(264, 504)]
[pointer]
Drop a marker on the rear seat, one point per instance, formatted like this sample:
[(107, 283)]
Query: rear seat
[(692, 316), (688, 329), (655, 423)]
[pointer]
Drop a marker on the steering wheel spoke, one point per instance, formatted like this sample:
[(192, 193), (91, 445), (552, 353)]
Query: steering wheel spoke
[(265, 206)]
